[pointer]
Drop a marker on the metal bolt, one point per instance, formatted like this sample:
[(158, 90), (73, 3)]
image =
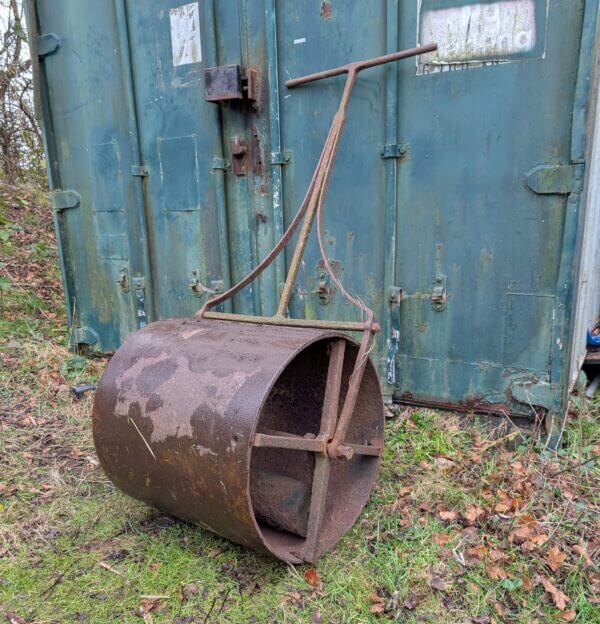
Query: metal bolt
[(344, 452)]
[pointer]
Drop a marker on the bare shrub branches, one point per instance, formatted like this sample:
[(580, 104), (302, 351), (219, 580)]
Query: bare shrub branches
[(21, 152)]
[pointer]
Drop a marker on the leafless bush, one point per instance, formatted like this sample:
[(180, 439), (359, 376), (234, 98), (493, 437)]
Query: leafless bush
[(21, 152)]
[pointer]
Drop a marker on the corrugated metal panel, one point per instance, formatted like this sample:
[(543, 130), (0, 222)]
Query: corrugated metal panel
[(458, 180)]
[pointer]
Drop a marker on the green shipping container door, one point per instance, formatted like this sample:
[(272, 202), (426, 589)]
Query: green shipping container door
[(462, 207)]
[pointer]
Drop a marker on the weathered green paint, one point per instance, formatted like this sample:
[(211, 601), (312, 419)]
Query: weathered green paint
[(461, 188)]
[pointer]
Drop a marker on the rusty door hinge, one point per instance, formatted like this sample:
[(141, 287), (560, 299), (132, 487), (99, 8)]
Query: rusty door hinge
[(141, 171), (394, 150), (220, 164), (83, 336), (555, 179), (48, 44), (64, 199), (281, 158)]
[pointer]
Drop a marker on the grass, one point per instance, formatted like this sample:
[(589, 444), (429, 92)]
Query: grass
[(460, 528)]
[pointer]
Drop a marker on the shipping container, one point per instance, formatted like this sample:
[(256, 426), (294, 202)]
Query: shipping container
[(463, 208)]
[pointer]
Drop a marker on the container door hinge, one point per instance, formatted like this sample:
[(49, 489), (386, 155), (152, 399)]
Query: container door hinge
[(394, 150), (141, 171), (63, 200), (83, 336), (139, 289), (47, 45), (221, 164), (394, 300), (281, 158), (533, 392), (555, 179)]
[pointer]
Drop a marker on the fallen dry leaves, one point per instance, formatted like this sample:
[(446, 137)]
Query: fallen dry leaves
[(312, 577), (559, 598), (378, 608), (566, 616), (555, 558), (473, 514), (496, 572)]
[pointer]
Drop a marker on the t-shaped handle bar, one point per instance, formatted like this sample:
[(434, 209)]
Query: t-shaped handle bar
[(360, 65), (312, 205)]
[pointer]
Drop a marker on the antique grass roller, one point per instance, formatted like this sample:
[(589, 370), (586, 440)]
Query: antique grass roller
[(265, 430)]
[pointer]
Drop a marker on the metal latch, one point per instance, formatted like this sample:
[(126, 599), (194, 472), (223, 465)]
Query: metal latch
[(555, 179), (394, 301), (139, 289), (439, 298), (239, 155), (230, 82), (323, 291), (198, 288)]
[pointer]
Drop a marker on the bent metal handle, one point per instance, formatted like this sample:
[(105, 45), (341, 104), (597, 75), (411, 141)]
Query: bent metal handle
[(311, 205), (360, 65)]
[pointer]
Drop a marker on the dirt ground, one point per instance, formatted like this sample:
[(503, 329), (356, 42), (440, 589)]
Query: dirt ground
[(463, 526)]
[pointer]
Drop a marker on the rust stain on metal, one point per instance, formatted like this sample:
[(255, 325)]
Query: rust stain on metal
[(472, 404), (152, 386), (201, 400), (326, 10)]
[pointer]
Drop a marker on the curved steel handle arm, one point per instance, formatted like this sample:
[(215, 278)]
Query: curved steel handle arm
[(360, 65), (317, 189)]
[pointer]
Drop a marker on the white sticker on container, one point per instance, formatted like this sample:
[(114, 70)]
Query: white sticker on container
[(185, 34), (298, 41), (475, 35)]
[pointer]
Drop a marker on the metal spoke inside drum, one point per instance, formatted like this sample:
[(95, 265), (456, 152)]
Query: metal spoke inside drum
[(319, 446)]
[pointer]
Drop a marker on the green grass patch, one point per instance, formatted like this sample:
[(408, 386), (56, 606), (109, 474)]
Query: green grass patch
[(459, 528)]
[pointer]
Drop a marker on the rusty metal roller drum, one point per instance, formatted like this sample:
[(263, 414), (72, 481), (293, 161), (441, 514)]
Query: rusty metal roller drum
[(220, 423)]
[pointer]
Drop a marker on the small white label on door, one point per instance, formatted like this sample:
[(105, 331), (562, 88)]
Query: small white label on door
[(185, 34), (478, 34)]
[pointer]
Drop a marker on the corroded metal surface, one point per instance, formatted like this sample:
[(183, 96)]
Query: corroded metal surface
[(179, 404)]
